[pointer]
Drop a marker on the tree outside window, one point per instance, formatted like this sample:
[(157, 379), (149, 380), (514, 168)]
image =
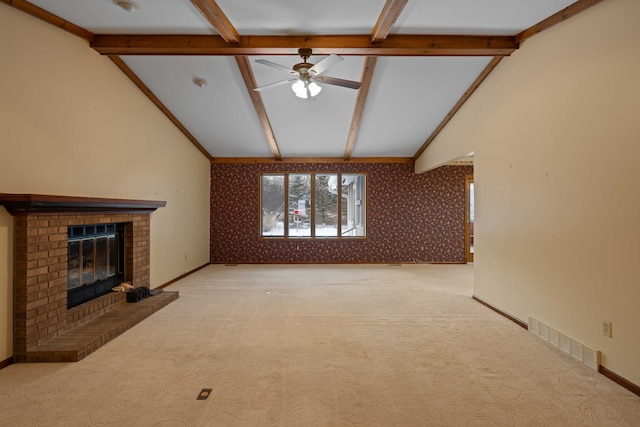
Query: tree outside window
[(323, 205)]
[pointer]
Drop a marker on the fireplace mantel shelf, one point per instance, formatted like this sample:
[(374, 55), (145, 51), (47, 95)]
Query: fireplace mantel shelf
[(28, 203)]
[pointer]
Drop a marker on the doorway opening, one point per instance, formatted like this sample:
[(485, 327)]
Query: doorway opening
[(469, 218)]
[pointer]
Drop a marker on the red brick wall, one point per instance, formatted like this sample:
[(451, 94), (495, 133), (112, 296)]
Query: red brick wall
[(409, 217), (40, 271)]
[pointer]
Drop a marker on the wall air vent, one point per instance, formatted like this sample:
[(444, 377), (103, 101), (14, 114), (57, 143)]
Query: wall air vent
[(577, 350)]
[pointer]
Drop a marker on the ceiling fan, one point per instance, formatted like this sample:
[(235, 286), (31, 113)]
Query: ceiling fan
[(305, 75)]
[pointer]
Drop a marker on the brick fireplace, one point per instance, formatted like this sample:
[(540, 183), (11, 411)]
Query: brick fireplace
[(41, 227)]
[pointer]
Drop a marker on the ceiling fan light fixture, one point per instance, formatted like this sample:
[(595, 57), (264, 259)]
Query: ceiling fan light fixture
[(314, 88), (304, 89), (304, 74), (127, 5), (299, 88)]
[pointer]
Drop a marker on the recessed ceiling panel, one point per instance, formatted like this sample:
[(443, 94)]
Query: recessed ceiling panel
[(152, 16), (408, 100), (486, 17), (287, 17), (220, 115), (309, 128)]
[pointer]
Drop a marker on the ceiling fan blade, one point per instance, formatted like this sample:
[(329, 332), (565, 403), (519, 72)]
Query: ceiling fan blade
[(325, 64), (339, 82), (275, 84), (276, 66)]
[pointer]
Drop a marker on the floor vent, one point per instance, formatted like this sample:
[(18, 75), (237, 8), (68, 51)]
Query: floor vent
[(579, 351), (395, 265), (231, 265)]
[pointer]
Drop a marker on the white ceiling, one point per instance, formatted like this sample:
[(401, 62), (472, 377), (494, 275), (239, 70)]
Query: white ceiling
[(408, 99)]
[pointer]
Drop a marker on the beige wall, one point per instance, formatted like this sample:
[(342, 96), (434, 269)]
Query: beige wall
[(71, 123), (556, 135)]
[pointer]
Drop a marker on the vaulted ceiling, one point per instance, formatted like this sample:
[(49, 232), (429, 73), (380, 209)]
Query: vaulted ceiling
[(417, 62)]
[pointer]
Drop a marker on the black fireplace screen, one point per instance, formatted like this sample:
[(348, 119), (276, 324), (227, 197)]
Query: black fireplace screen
[(95, 261)]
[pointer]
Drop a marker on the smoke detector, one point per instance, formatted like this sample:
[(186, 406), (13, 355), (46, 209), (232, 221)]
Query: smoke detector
[(128, 5), (200, 82)]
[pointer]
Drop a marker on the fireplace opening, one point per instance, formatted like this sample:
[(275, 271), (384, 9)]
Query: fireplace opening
[(95, 261)]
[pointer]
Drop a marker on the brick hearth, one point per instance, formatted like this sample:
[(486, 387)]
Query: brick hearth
[(88, 336), (41, 318)]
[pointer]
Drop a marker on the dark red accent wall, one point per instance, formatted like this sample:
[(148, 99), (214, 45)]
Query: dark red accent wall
[(410, 218)]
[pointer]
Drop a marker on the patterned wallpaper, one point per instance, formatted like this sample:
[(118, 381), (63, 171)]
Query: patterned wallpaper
[(410, 218)]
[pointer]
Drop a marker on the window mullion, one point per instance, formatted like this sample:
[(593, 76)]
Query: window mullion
[(286, 205), (312, 222), (339, 220)]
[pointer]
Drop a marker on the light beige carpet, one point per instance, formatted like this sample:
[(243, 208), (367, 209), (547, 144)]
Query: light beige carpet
[(339, 345)]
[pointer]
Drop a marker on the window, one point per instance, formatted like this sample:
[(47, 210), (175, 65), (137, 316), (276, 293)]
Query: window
[(306, 205)]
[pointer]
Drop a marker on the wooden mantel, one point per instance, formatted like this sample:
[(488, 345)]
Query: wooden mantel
[(38, 203)]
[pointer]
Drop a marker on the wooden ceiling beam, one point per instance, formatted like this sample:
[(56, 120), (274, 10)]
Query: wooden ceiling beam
[(49, 18), (389, 14), (258, 104), (355, 45), (476, 83), (313, 160), (563, 15), (361, 100), (216, 17), (556, 18), (138, 82)]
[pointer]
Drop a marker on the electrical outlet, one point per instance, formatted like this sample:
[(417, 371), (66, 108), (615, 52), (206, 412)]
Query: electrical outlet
[(606, 328), (204, 394)]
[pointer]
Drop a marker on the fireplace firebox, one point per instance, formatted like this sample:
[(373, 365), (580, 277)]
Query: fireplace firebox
[(95, 261)]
